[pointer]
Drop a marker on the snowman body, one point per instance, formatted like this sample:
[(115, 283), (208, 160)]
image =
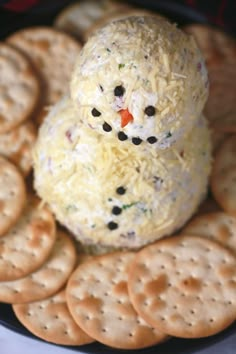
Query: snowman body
[(125, 159)]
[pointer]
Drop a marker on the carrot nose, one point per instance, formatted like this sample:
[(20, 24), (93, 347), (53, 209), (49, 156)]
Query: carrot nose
[(126, 117)]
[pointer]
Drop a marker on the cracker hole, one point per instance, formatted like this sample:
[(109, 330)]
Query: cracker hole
[(163, 319), (45, 328), (175, 307), (192, 312), (66, 333), (104, 330), (130, 334), (213, 299), (189, 324), (211, 320), (106, 294), (120, 318), (162, 266), (229, 303)]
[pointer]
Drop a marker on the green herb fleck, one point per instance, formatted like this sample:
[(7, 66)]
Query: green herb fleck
[(93, 226), (71, 208), (144, 210), (121, 66), (109, 199), (108, 50), (168, 135), (127, 206)]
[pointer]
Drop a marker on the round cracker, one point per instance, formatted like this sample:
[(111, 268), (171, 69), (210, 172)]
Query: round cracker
[(116, 15), (17, 144), (12, 195), (217, 226), (185, 286), (19, 88), (77, 18), (27, 245), (98, 300), (219, 51), (223, 179), (53, 55), (47, 280), (51, 321)]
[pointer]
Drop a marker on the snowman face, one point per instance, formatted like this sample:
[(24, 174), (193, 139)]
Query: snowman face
[(125, 110)]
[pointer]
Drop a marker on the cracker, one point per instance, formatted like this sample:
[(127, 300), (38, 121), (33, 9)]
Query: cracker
[(47, 280), (219, 51), (51, 321), (17, 144), (185, 286), (98, 300), (223, 179), (115, 15), (19, 88), (77, 18), (217, 226), (27, 245), (53, 54), (12, 195)]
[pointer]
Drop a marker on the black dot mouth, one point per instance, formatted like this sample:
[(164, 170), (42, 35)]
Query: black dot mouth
[(122, 136)]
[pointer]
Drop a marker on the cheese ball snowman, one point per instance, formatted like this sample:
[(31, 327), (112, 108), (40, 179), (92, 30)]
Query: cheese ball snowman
[(124, 159)]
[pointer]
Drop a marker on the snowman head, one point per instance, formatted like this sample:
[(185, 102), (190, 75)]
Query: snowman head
[(140, 80)]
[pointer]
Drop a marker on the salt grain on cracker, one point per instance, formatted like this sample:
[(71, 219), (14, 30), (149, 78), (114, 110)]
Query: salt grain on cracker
[(17, 144), (19, 88), (12, 195), (98, 299), (51, 321), (26, 246), (47, 280), (185, 286)]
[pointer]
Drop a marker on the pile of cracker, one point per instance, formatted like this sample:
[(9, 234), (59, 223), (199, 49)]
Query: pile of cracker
[(183, 285)]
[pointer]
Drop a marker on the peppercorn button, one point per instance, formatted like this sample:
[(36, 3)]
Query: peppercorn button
[(112, 225), (120, 190), (116, 210)]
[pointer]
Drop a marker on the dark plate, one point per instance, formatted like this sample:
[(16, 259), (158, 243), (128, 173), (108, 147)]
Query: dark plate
[(182, 15)]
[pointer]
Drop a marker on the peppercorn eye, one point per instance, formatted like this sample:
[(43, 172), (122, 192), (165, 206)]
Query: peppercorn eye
[(119, 91), (150, 111), (95, 112)]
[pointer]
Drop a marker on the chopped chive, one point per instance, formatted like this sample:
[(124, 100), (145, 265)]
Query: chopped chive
[(127, 206), (121, 66)]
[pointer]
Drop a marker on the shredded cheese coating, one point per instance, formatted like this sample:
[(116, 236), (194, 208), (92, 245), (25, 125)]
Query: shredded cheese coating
[(77, 172)]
